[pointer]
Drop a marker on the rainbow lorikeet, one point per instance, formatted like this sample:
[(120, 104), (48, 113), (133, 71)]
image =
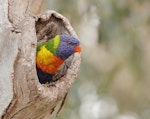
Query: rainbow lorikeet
[(52, 54)]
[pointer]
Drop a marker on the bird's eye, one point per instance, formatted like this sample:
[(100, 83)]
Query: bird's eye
[(69, 43)]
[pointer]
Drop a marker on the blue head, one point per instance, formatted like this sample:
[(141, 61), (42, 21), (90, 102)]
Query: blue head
[(68, 45)]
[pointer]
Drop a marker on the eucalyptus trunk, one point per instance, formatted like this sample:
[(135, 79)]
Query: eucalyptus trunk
[(22, 26)]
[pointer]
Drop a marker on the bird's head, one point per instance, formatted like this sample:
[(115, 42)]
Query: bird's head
[(67, 46)]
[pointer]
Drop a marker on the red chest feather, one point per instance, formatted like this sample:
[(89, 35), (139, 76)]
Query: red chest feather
[(47, 61)]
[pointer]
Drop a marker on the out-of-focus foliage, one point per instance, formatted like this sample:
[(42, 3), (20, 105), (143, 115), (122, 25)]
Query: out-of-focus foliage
[(114, 79)]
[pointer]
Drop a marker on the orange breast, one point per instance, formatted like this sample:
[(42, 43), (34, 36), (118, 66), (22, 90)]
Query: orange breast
[(47, 61), (51, 67)]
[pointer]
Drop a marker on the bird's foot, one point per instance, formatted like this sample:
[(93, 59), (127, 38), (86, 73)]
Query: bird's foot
[(48, 84)]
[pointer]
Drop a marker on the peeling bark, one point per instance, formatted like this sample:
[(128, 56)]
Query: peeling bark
[(22, 96)]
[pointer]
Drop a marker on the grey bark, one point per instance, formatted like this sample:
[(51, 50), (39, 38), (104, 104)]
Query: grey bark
[(21, 94)]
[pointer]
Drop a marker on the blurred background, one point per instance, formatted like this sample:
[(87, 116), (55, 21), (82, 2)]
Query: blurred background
[(114, 78)]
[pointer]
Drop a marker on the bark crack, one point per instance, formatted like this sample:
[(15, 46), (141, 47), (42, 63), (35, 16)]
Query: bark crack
[(27, 7), (18, 112), (9, 18)]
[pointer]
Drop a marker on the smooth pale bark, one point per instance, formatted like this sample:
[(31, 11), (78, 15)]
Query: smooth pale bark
[(21, 94), (6, 63)]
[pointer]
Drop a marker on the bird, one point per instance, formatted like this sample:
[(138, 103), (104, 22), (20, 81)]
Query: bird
[(50, 55)]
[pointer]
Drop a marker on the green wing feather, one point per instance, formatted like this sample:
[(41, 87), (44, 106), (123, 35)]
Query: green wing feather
[(51, 45)]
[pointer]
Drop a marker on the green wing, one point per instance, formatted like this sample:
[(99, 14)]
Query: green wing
[(51, 45)]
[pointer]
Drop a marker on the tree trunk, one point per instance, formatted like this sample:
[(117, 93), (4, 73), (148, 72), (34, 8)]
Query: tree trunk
[(21, 28)]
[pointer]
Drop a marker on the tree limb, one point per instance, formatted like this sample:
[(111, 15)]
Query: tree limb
[(25, 97)]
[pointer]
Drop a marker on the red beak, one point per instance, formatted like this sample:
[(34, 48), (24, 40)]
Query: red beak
[(77, 48)]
